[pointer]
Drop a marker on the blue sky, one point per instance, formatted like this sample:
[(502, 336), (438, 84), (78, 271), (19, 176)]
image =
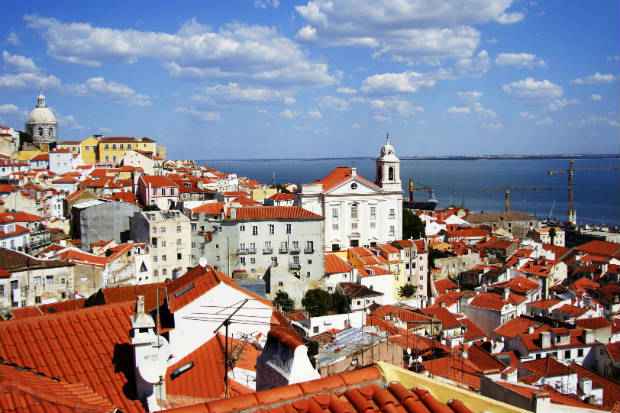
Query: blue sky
[(277, 78)]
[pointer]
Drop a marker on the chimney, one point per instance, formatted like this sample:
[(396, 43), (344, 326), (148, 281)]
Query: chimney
[(151, 353), (530, 330), (585, 385), (506, 293), (354, 172), (545, 338), (588, 336)]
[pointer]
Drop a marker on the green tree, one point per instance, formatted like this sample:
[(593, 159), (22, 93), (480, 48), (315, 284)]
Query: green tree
[(413, 227), (284, 302), (317, 302), (407, 290), (340, 303)]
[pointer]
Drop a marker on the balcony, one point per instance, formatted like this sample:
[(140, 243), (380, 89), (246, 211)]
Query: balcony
[(267, 251), (309, 250), (242, 251), (295, 250), (251, 250), (293, 266), (283, 250)]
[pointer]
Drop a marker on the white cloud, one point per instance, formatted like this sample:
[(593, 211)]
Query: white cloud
[(264, 4), (600, 120), (473, 66), (459, 109), (69, 122), (346, 91), (559, 104), (533, 89), (234, 93), (8, 109), (407, 30), (205, 116), (393, 106), (390, 83), (546, 121), (494, 125), (315, 114), (13, 39), (470, 96), (306, 33), (526, 60), (288, 114), (29, 81), (115, 90), (235, 51), (595, 79), (510, 18), (527, 115), (334, 103), (356, 125), (20, 63), (596, 97)]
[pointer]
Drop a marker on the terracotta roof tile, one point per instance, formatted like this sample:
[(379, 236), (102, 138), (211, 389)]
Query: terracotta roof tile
[(334, 264), (284, 213)]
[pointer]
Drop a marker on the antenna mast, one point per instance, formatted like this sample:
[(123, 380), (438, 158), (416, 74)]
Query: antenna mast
[(226, 323)]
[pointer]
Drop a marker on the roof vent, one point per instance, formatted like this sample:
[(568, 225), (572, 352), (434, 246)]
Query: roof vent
[(203, 262)]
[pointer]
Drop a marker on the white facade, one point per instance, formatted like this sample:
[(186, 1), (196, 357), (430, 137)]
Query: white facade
[(357, 211), (61, 162)]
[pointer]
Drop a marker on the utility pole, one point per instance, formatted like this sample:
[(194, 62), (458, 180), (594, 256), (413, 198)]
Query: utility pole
[(226, 323)]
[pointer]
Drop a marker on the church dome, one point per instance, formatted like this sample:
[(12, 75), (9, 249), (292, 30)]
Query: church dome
[(41, 114), (388, 153)]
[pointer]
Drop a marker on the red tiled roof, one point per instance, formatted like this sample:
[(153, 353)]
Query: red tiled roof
[(76, 256), (455, 368), (544, 304), (157, 181), (468, 233), (611, 389), (571, 310), (19, 230), (584, 284), (593, 323), (205, 379), (52, 308), (602, 248), (213, 208), (516, 327), (27, 391), (340, 175), (444, 285), (489, 301), (447, 319), (287, 213), (334, 264), (546, 367), (89, 346), (518, 285), (281, 196)]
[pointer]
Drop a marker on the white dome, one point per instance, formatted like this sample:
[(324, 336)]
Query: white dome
[(388, 153), (41, 113)]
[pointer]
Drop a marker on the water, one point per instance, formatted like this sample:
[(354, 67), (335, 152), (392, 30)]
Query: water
[(476, 184)]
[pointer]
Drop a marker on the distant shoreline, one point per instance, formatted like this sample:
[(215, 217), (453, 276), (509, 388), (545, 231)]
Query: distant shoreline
[(431, 158)]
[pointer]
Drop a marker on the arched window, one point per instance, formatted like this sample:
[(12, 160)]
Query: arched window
[(51, 131), (40, 131), (391, 173)]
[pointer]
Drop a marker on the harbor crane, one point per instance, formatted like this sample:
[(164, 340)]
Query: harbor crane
[(507, 190), (570, 173)]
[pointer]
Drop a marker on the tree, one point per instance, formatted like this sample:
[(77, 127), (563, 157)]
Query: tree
[(552, 235), (407, 290), (413, 227), (340, 303), (317, 302), (284, 302)]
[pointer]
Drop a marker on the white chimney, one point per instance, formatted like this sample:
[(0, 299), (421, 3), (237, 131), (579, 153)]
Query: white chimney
[(506, 293), (530, 330), (151, 353), (545, 338), (588, 336), (353, 172)]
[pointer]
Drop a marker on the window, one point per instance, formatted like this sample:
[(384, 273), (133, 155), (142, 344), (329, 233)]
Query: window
[(274, 261), (255, 230), (335, 213), (309, 246), (580, 352), (40, 131), (163, 258), (315, 329), (567, 354), (289, 228), (164, 272), (162, 230), (354, 211), (252, 260), (268, 245), (354, 186), (335, 226), (392, 230), (295, 259), (154, 258), (178, 228), (392, 213), (163, 244), (242, 260), (272, 229), (373, 212), (241, 228), (1, 290), (391, 173), (335, 247), (373, 225)]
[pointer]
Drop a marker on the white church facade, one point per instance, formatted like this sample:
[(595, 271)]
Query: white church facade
[(357, 211)]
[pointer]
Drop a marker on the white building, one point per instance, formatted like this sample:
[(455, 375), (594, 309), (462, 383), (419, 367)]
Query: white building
[(357, 211), (61, 161), (168, 235)]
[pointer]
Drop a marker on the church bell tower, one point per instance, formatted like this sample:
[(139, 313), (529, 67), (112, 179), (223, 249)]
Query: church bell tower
[(388, 168)]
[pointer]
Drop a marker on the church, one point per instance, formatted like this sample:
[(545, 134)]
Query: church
[(41, 127), (357, 211)]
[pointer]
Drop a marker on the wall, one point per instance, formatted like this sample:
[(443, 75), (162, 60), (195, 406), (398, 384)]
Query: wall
[(107, 221)]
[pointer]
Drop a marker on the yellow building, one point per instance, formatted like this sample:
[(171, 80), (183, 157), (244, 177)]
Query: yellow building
[(111, 150), (73, 146), (28, 154), (88, 150)]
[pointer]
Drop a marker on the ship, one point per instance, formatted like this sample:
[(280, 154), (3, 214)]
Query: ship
[(429, 205)]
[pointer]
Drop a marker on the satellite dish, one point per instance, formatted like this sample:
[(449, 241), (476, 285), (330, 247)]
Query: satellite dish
[(203, 262)]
